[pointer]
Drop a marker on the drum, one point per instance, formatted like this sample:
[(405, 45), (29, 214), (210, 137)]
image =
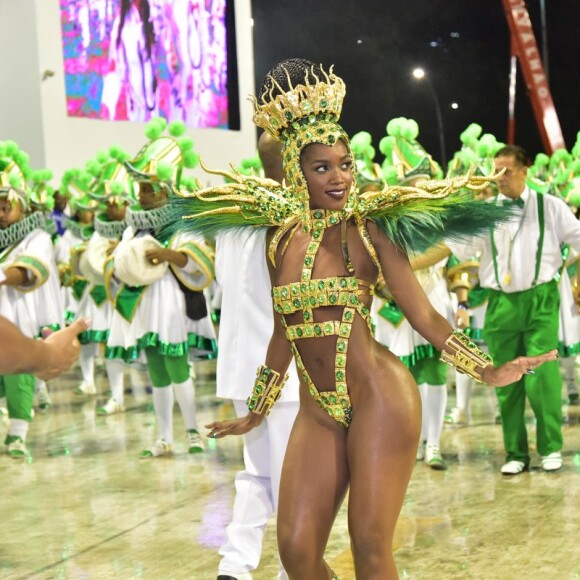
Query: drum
[(131, 265)]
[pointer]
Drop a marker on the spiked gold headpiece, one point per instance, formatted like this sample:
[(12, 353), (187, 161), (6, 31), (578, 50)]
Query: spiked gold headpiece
[(306, 113)]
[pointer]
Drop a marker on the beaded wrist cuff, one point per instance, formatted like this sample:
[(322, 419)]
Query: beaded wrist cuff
[(467, 357), (267, 390)]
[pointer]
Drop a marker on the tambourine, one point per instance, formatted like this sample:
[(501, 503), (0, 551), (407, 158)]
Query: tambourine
[(132, 266)]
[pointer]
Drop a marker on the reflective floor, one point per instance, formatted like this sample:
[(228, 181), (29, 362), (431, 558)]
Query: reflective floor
[(84, 506)]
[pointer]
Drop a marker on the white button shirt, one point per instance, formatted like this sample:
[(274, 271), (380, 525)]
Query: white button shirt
[(560, 227)]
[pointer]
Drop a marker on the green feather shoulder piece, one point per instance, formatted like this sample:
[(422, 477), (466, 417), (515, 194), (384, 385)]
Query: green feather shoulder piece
[(416, 218), (246, 200)]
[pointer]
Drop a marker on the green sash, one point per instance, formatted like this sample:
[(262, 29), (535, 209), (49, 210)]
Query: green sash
[(127, 300), (98, 294)]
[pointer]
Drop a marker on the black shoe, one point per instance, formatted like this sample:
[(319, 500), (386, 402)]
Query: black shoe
[(226, 577)]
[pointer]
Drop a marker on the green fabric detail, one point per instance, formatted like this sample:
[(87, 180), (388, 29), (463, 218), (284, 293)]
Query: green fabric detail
[(13, 234), (430, 371), (98, 294), (566, 351), (476, 334), (127, 300), (94, 336), (78, 288), (166, 370), (151, 339), (518, 324), (69, 317), (392, 313), (423, 351), (51, 327), (202, 257), (78, 230), (36, 264), (477, 296), (19, 391), (452, 261), (540, 199), (215, 316)]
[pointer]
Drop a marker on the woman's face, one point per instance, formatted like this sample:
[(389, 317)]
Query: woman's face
[(329, 174)]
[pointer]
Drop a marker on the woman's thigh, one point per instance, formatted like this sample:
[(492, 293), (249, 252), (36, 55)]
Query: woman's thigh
[(314, 481), (382, 445)]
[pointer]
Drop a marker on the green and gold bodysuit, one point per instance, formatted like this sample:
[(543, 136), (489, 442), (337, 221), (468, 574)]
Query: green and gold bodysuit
[(309, 294)]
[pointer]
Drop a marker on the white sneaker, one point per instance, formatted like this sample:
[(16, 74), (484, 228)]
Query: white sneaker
[(421, 451), (434, 459), (513, 467), (552, 462), (16, 447), (158, 449), (194, 442), (457, 417), (86, 389), (44, 400), (110, 408)]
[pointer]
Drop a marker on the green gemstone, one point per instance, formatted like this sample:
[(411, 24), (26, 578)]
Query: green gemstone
[(306, 315), (299, 332), (333, 219), (341, 389), (321, 284), (328, 327), (339, 375), (273, 121), (313, 301), (331, 138), (317, 330), (332, 399), (343, 283), (259, 389), (285, 292), (344, 403), (312, 286), (332, 298), (340, 361), (341, 346), (348, 315), (297, 302), (288, 115), (323, 103)]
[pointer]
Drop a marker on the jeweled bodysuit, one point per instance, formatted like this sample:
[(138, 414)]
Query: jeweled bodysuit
[(306, 296)]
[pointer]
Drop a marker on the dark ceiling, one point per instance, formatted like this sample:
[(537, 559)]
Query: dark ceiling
[(463, 45)]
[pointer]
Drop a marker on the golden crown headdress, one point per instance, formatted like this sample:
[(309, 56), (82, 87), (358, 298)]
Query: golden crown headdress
[(317, 99)]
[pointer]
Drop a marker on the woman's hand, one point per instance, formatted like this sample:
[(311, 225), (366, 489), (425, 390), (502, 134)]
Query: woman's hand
[(513, 371), (239, 426)]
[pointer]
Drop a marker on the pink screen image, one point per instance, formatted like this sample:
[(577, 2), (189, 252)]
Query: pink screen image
[(130, 60)]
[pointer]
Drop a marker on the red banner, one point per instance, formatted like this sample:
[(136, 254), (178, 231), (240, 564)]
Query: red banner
[(524, 46)]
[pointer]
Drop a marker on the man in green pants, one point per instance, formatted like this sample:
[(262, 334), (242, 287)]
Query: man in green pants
[(519, 262)]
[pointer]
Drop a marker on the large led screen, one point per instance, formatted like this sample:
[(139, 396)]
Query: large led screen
[(136, 59)]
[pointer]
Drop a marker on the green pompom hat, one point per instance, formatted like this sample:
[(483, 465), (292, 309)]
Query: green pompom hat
[(14, 173), (163, 158)]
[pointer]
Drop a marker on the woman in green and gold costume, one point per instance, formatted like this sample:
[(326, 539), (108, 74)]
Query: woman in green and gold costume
[(359, 420)]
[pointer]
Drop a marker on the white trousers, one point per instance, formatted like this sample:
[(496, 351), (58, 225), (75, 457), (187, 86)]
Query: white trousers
[(257, 488)]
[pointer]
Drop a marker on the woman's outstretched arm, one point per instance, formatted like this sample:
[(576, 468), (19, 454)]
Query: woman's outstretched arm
[(412, 300)]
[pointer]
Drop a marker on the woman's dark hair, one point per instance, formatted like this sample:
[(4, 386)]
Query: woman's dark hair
[(293, 71), (145, 13)]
